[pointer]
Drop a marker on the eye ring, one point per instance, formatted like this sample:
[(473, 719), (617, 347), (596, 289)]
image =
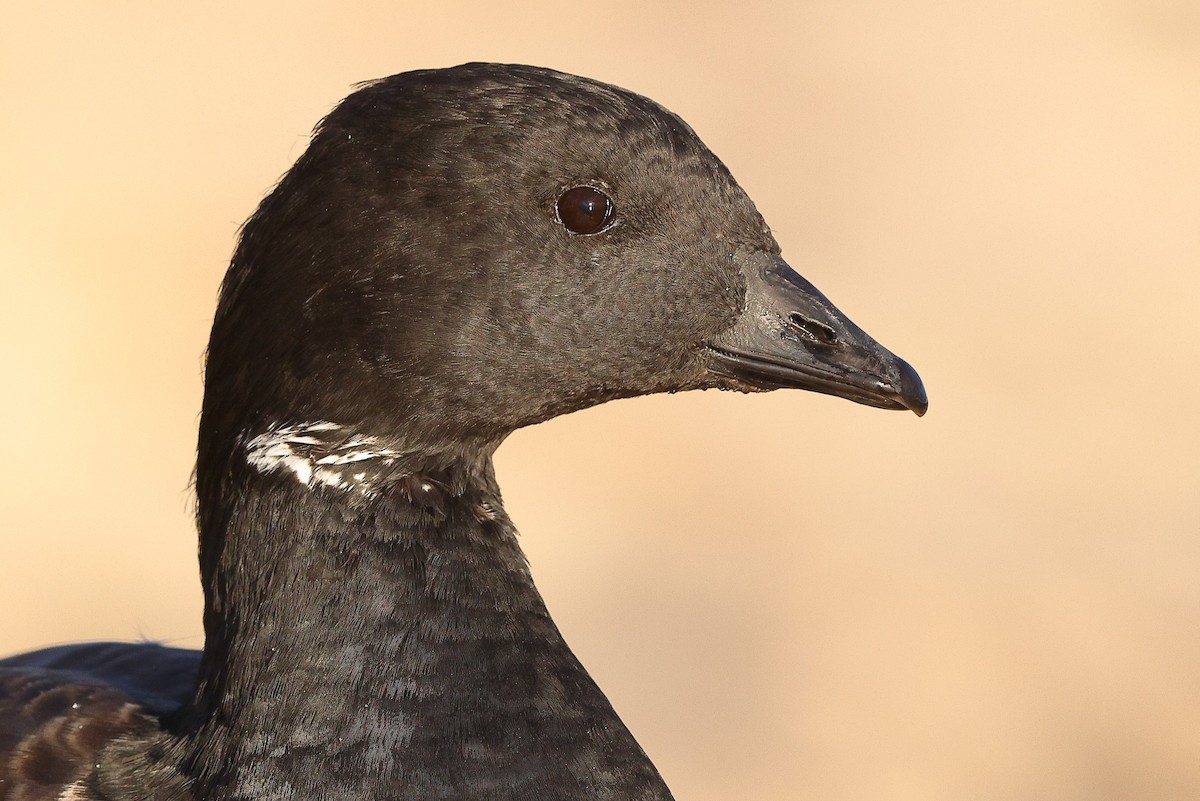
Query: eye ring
[(585, 209)]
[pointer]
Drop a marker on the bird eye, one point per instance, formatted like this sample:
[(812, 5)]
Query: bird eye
[(585, 210)]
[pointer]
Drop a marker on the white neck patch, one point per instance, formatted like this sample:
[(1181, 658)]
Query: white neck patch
[(323, 454)]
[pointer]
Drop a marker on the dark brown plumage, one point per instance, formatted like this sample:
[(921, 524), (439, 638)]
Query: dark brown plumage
[(458, 254)]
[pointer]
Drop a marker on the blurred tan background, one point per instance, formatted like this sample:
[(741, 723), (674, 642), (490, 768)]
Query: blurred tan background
[(786, 596)]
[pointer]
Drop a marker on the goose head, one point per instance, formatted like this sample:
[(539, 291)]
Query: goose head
[(464, 252)]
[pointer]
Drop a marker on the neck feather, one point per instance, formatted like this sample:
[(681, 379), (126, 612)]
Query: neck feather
[(384, 639)]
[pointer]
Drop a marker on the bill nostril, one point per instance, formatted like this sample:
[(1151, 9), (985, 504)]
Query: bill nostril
[(813, 330)]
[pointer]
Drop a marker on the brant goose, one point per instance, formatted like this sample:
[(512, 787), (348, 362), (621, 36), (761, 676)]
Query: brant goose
[(459, 253)]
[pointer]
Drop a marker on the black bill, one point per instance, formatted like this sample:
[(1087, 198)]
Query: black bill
[(790, 335)]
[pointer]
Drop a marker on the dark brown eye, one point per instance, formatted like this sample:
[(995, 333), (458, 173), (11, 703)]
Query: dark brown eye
[(585, 210)]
